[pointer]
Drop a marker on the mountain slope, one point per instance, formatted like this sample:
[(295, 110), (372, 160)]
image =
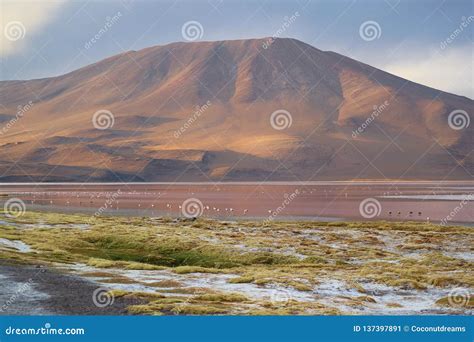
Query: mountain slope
[(202, 111)]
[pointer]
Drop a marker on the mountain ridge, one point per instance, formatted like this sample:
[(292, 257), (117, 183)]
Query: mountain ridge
[(153, 92)]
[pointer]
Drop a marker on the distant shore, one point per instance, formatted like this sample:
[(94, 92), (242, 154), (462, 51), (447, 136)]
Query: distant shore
[(434, 202)]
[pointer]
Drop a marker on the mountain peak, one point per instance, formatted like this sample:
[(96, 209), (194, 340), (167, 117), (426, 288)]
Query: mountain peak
[(221, 97)]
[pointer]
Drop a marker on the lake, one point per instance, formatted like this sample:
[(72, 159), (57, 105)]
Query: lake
[(449, 201)]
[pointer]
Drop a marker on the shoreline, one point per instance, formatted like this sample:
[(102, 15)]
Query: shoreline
[(57, 293), (322, 182), (318, 202), (153, 213)]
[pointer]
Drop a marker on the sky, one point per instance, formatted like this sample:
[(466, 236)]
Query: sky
[(426, 41)]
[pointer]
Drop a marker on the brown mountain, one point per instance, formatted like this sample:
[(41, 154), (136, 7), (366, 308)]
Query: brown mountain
[(202, 111)]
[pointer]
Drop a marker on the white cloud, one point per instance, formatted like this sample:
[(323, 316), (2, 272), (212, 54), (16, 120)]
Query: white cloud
[(20, 20), (450, 70)]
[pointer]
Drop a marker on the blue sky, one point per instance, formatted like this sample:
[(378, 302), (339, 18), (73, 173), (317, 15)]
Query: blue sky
[(411, 39)]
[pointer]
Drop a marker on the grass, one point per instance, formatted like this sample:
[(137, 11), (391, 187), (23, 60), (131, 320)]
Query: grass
[(195, 269), (403, 255), (118, 243), (222, 297), (242, 280), (166, 283)]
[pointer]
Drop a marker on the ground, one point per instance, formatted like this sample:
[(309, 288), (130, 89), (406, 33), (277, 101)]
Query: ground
[(170, 266)]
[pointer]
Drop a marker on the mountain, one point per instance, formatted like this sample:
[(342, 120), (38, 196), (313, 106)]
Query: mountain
[(203, 111)]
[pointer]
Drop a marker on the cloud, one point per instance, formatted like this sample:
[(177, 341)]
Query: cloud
[(449, 70), (20, 20)]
